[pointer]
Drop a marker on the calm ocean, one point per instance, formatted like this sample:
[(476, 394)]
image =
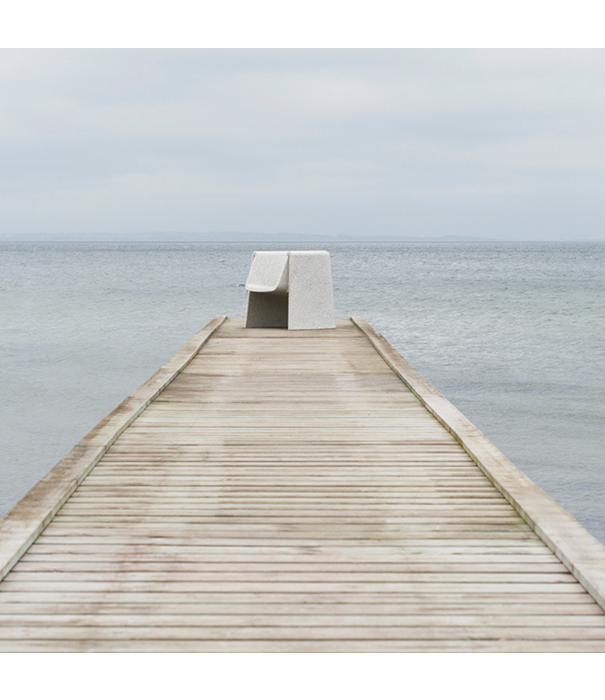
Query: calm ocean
[(512, 334)]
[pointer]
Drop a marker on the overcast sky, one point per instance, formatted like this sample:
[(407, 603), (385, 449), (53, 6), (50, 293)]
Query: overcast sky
[(488, 143)]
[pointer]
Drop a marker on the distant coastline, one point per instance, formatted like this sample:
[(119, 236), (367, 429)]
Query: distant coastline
[(239, 237)]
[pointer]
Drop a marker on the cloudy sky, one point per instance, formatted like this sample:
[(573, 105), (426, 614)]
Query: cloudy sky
[(506, 144)]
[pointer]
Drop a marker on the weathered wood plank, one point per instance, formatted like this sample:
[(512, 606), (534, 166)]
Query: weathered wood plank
[(505, 622), (160, 564), (138, 597), (353, 605), (369, 633), (303, 646), (68, 585)]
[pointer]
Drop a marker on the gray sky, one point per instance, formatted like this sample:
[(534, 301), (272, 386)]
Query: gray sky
[(492, 143)]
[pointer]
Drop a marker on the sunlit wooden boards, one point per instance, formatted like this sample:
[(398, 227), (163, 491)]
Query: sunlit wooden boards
[(288, 492)]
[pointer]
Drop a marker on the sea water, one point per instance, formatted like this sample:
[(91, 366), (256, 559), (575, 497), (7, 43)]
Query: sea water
[(512, 334)]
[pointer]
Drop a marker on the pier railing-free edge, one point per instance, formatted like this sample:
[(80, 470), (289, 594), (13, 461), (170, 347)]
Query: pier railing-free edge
[(20, 527), (579, 551)]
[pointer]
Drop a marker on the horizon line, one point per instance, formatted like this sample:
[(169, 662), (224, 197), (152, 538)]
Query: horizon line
[(239, 237)]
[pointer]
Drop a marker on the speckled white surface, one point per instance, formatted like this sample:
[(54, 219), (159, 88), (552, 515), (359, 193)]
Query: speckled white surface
[(290, 289)]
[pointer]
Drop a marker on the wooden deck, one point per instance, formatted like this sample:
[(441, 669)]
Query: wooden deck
[(293, 491)]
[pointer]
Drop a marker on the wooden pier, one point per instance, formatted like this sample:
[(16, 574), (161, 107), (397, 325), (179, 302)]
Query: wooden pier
[(274, 490)]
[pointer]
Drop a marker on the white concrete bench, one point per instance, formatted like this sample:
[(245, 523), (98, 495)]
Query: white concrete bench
[(290, 289)]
